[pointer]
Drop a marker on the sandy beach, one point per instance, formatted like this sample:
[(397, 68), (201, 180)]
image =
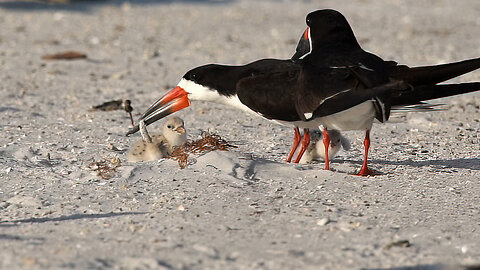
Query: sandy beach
[(245, 208)]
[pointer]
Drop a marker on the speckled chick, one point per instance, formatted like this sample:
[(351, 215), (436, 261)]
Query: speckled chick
[(316, 149), (160, 145)]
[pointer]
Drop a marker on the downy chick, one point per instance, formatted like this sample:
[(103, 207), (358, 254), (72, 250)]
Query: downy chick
[(316, 149), (160, 145)]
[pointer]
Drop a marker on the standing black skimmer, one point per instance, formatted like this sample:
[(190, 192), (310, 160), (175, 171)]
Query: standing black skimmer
[(337, 76)]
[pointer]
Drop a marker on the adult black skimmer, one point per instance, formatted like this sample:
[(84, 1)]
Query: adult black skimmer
[(159, 145), (265, 87), (337, 72)]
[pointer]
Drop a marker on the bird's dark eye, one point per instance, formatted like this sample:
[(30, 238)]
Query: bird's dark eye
[(308, 21), (170, 126), (194, 76)]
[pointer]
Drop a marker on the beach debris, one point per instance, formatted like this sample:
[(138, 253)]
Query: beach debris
[(323, 221), (112, 105), (105, 168), (400, 243), (112, 147), (67, 55), (208, 142), (127, 105)]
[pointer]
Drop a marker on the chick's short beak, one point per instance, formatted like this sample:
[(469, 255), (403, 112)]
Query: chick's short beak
[(180, 130), (160, 109)]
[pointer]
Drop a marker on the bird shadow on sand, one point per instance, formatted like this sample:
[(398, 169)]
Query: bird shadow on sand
[(252, 166), (461, 163), (89, 5), (9, 223), (22, 238), (239, 166), (9, 109), (429, 267)]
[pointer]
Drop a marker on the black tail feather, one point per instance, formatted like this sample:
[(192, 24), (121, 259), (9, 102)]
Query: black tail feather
[(428, 92), (429, 75)]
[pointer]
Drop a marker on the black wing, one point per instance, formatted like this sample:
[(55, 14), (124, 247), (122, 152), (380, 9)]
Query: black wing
[(424, 79), (271, 92), (331, 83), (428, 75)]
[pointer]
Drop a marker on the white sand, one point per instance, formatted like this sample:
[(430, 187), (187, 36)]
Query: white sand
[(244, 209)]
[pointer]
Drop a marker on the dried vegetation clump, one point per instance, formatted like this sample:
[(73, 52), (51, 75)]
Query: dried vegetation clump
[(209, 142), (105, 168)]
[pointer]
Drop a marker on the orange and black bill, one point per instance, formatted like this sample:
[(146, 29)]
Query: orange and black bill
[(161, 108)]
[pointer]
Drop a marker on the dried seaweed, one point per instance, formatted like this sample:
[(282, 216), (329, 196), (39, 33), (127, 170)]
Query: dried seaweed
[(209, 142), (106, 169), (68, 55), (109, 106), (114, 105)]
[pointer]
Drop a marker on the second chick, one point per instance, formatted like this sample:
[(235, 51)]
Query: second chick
[(316, 149)]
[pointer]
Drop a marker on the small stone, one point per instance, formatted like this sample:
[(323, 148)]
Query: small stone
[(323, 221), (209, 251), (28, 261), (113, 148), (136, 228)]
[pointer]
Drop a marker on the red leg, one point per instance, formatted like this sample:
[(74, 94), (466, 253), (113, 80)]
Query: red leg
[(326, 144), (305, 143), (365, 171), (296, 141)]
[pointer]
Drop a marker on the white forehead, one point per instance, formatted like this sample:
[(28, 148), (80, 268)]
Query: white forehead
[(198, 92)]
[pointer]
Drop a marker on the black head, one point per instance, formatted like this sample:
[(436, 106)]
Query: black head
[(329, 26), (220, 78), (326, 28), (200, 75)]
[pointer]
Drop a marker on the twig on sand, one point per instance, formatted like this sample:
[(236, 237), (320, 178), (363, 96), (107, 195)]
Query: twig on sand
[(68, 55), (128, 108)]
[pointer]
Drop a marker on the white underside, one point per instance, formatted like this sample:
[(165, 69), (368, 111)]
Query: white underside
[(359, 117)]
